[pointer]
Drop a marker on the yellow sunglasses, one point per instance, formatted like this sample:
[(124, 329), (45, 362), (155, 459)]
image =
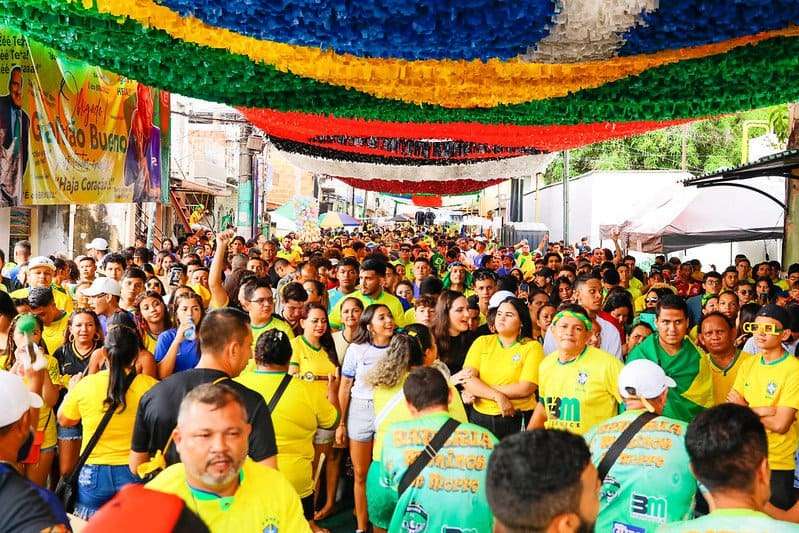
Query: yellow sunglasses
[(760, 327)]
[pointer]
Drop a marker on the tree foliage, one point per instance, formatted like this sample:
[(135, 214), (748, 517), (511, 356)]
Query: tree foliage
[(709, 145)]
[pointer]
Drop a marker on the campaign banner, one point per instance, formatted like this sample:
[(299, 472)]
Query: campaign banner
[(72, 133)]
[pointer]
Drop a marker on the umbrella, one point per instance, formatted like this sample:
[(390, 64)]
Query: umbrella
[(331, 219)]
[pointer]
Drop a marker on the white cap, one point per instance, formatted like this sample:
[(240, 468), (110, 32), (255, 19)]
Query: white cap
[(98, 244), (499, 297), (15, 398), (643, 379), (480, 239), (103, 286), (41, 261)]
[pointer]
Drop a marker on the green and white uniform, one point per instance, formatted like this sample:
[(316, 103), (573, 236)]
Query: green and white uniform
[(729, 520), (694, 391), (651, 482), (449, 494)]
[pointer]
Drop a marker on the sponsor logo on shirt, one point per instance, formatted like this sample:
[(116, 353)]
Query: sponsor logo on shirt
[(563, 408), (610, 489), (649, 508), (618, 527), (415, 518)]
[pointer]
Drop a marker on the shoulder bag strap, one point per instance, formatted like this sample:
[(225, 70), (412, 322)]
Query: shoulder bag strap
[(100, 428), (386, 410), (427, 455), (621, 443), (284, 383)]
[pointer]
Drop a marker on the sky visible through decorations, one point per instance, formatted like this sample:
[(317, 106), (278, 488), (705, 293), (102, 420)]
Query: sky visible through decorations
[(380, 92)]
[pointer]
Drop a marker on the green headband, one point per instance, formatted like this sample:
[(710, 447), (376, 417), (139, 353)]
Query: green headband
[(579, 316)]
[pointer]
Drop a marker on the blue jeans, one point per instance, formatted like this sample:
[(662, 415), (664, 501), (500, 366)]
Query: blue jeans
[(97, 484)]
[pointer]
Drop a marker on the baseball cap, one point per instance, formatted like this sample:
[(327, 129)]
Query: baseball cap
[(97, 244), (41, 261), (40, 297), (499, 297), (643, 379), (103, 286), (136, 508), (778, 313), (15, 398)]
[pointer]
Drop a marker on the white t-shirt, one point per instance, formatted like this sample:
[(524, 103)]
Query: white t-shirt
[(610, 341), (358, 360)]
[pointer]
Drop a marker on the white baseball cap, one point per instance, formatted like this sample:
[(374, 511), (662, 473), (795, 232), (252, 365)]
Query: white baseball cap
[(499, 297), (41, 261), (98, 244), (643, 379), (104, 285), (15, 398)]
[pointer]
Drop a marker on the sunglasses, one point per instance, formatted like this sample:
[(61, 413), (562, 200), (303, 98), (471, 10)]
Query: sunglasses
[(760, 327), (651, 300)]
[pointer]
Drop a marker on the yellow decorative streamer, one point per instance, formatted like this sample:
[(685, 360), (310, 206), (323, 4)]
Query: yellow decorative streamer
[(449, 83)]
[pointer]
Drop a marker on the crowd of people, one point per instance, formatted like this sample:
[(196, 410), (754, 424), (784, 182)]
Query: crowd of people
[(438, 381)]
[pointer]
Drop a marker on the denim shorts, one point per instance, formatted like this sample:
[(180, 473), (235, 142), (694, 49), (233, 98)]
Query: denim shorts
[(361, 420), (97, 484), (70, 433)]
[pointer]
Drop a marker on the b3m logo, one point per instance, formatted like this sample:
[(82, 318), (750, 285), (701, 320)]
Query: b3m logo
[(566, 409), (648, 508)]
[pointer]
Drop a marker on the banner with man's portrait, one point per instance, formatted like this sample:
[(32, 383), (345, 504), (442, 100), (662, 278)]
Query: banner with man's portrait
[(71, 133)]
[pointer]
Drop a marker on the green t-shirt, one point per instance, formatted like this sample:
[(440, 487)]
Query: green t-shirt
[(691, 371), (449, 494), (651, 482), (729, 520)]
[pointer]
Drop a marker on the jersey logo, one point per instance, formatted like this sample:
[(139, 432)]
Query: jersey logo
[(610, 489), (516, 357), (271, 528), (452, 529), (563, 408), (415, 518), (771, 388), (618, 527), (650, 508), (582, 377)]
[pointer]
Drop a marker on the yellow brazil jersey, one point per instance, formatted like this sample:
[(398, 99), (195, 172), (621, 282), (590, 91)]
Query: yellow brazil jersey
[(313, 364), (274, 323), (85, 402), (150, 342), (500, 365), (62, 299), (297, 414), (409, 316), (389, 300), (264, 501), (390, 407), (724, 378), (774, 384), (294, 256), (581, 393), (53, 335), (47, 417)]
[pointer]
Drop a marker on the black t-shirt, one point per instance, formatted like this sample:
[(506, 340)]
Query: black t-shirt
[(458, 347), (158, 409), (23, 509), (69, 362)]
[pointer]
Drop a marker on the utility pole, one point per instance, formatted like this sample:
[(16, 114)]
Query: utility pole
[(684, 158), (790, 239), (566, 197)]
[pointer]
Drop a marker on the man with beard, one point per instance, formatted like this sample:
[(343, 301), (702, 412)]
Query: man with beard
[(216, 479), (542, 480), (14, 126), (23, 505)]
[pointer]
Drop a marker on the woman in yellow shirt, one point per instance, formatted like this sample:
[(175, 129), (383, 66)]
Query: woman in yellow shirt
[(41, 377), (501, 371), (118, 387), (299, 413), (153, 318), (314, 360)]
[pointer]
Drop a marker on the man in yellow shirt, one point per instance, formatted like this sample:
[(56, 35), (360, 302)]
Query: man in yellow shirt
[(260, 305), (54, 319), (289, 252), (717, 337), (769, 384), (578, 384), (373, 273), (40, 274), (230, 492)]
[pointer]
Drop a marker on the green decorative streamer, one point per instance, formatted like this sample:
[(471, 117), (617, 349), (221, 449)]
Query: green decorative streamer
[(745, 78)]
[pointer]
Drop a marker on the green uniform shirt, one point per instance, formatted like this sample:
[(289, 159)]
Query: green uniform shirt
[(729, 520), (651, 482), (691, 371), (449, 494)]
